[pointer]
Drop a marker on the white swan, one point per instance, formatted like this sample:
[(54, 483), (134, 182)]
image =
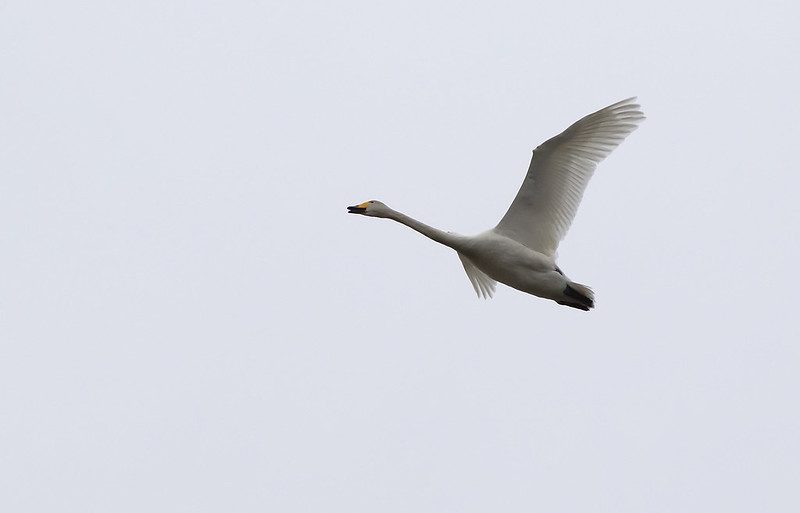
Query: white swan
[(520, 251)]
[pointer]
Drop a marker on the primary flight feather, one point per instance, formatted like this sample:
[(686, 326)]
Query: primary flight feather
[(520, 251)]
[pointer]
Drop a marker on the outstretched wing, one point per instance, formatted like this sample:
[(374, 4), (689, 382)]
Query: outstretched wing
[(483, 285), (560, 169)]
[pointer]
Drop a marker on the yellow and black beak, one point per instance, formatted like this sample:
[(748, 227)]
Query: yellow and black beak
[(358, 209)]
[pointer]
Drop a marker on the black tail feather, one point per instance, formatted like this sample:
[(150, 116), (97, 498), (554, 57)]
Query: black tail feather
[(583, 301), (574, 305)]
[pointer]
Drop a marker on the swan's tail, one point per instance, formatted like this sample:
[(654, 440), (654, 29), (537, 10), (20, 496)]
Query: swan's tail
[(578, 296)]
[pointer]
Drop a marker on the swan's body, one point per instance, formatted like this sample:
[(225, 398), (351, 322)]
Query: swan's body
[(520, 251), (505, 260)]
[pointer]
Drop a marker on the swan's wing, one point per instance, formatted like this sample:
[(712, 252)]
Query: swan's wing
[(545, 205), (483, 285)]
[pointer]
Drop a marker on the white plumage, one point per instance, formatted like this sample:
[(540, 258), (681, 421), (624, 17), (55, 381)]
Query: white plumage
[(520, 251)]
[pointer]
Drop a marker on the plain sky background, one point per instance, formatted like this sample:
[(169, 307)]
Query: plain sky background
[(190, 321)]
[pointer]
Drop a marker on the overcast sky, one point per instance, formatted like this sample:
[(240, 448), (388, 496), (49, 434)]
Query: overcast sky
[(189, 320)]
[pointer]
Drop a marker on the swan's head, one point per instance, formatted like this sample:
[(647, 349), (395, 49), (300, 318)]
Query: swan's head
[(373, 208)]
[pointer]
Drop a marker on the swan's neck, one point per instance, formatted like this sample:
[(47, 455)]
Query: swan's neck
[(448, 239)]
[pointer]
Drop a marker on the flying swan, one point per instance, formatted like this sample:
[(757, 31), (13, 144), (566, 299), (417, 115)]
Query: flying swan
[(521, 250)]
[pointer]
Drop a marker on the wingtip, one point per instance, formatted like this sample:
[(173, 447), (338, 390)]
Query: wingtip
[(626, 102)]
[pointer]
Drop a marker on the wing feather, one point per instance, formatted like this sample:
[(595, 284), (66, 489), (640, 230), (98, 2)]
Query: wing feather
[(560, 169), (483, 285)]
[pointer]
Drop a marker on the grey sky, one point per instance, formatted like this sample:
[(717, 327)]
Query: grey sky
[(189, 320)]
